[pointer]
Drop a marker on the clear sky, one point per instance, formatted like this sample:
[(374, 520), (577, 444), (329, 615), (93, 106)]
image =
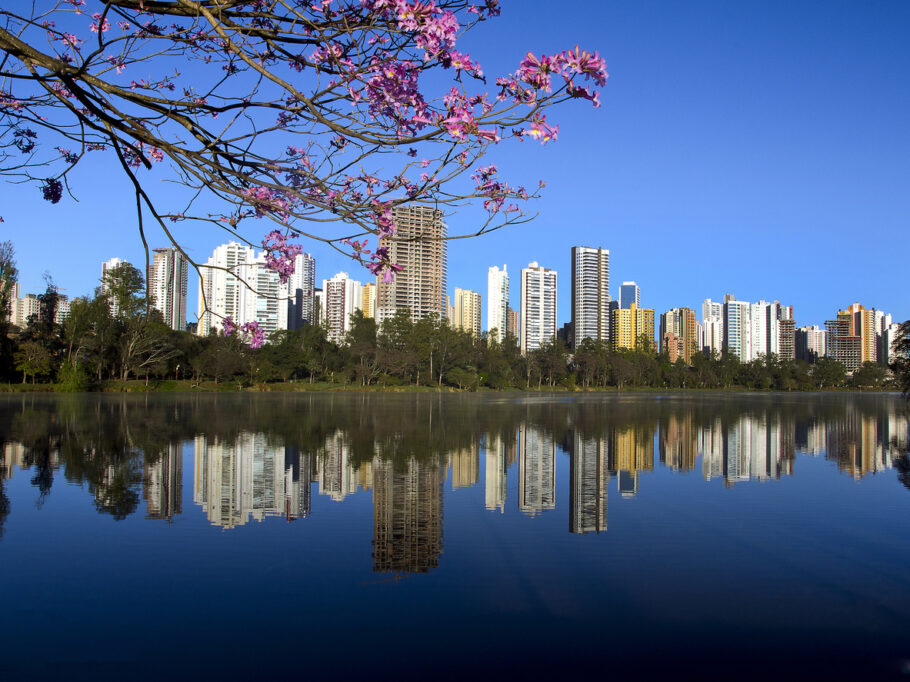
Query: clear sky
[(756, 148)]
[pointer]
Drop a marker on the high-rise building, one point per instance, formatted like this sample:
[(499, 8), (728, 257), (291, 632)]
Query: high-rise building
[(841, 343), (466, 311), (810, 343), (342, 297), (419, 245), (299, 292), (711, 328), (886, 340), (512, 326), (681, 325), (862, 325), (788, 338), (590, 294), (368, 305), (538, 307), (220, 288), (629, 293), (106, 267), (262, 299), (498, 302), (632, 325), (168, 285), (738, 328)]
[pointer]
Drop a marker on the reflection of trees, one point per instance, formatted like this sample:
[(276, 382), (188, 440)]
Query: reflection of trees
[(4, 507), (902, 464)]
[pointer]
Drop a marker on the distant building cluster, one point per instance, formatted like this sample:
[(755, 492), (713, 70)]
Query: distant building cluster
[(236, 283)]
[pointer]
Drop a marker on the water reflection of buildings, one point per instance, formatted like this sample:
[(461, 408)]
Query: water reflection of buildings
[(536, 470), (407, 516), (678, 443), (11, 457), (589, 479), (244, 477), (864, 444), (500, 455), (633, 452), (162, 484), (750, 447), (335, 471), (465, 463)]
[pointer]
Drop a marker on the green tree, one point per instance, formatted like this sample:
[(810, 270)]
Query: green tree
[(901, 353), (829, 373), (33, 359)]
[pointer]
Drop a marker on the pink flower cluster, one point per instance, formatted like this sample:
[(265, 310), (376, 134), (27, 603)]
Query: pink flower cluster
[(537, 73), (249, 332), (279, 254), (268, 201), (378, 262), (496, 191)]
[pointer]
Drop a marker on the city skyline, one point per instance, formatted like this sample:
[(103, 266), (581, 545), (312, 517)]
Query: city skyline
[(677, 164)]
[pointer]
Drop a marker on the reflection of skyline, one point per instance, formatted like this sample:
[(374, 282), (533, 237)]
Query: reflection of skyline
[(500, 455), (536, 470), (255, 475), (407, 516), (589, 480), (633, 451), (863, 444), (246, 477), (162, 484), (746, 448)]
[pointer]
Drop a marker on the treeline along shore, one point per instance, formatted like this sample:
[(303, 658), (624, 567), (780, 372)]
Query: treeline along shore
[(131, 349)]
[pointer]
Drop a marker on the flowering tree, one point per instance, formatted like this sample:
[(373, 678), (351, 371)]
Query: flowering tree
[(300, 112)]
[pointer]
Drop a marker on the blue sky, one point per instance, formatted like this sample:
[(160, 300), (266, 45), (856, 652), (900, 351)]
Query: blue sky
[(756, 148)]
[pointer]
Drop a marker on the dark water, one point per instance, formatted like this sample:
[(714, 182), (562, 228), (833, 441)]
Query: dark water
[(687, 536)]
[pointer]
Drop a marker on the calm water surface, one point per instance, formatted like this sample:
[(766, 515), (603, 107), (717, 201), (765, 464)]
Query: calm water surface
[(685, 536)]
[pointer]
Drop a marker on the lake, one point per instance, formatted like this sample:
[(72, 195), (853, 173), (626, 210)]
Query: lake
[(500, 535)]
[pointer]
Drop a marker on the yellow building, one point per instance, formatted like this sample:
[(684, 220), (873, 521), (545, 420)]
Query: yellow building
[(368, 304), (630, 324), (678, 334), (862, 324)]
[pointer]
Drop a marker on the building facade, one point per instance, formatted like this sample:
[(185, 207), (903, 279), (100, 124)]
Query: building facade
[(168, 286), (343, 296), (590, 294), (630, 326), (466, 311), (629, 293), (538, 307), (498, 302), (419, 245)]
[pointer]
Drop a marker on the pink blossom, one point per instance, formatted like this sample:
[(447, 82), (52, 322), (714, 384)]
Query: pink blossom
[(280, 255), (99, 24)]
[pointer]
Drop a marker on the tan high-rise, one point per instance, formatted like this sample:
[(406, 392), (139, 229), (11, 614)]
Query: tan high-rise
[(466, 315), (419, 246)]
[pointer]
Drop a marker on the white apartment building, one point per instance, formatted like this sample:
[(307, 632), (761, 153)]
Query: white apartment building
[(168, 285), (466, 311), (497, 302), (220, 288), (590, 294), (342, 297), (538, 307)]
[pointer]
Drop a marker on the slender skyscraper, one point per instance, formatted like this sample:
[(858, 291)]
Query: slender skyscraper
[(538, 307), (419, 245), (106, 267), (629, 293), (167, 286), (590, 294), (342, 297), (498, 302), (299, 292)]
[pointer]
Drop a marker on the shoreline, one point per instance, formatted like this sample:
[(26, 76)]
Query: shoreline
[(188, 386)]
